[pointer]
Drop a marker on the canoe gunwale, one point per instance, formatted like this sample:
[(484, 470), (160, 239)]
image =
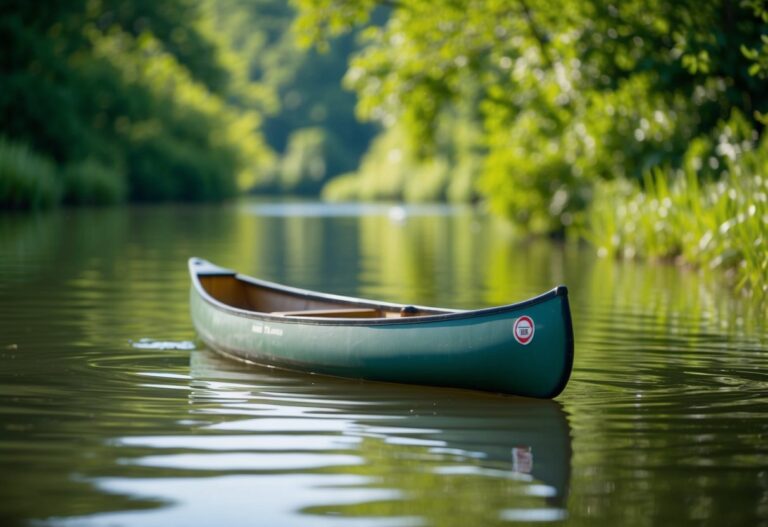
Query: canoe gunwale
[(199, 267)]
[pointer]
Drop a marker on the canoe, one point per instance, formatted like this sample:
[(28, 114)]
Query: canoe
[(523, 349)]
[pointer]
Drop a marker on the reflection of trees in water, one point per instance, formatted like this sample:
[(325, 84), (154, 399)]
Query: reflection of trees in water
[(58, 497), (453, 257), (40, 246)]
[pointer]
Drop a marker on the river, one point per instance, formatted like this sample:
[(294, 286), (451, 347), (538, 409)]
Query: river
[(113, 414)]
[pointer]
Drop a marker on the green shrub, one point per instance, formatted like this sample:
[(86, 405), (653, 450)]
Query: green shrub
[(345, 187), (391, 171), (90, 182), (303, 167), (28, 180)]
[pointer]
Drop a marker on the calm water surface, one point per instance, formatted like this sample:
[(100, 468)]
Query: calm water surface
[(112, 414)]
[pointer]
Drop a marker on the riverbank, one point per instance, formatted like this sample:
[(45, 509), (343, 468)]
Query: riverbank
[(673, 216), (29, 180), (684, 217)]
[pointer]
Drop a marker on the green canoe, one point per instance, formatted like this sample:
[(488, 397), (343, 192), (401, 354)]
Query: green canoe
[(523, 349)]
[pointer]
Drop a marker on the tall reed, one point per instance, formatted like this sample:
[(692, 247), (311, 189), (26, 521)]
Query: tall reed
[(90, 182), (717, 224), (28, 180)]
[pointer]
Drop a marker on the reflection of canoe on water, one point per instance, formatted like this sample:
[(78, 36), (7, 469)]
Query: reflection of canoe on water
[(523, 349), (465, 432)]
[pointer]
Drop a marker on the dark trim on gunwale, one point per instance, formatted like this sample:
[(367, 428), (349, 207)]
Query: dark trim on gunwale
[(198, 267), (569, 349)]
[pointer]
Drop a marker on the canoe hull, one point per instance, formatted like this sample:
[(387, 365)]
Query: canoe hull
[(472, 349)]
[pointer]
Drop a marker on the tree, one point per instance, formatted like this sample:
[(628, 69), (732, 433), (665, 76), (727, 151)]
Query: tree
[(134, 90), (567, 93)]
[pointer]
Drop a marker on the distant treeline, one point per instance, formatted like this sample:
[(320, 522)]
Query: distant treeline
[(310, 123)]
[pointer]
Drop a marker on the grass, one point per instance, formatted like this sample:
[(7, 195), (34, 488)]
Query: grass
[(675, 216), (92, 183), (28, 180)]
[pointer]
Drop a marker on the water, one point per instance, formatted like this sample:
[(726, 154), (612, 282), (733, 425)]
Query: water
[(111, 413)]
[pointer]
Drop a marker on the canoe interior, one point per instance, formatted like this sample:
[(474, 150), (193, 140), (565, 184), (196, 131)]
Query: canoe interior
[(241, 293)]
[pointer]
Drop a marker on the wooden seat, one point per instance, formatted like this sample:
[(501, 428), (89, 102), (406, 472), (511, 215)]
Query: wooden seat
[(356, 312)]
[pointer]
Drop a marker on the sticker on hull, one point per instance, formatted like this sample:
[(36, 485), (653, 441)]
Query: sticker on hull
[(524, 329)]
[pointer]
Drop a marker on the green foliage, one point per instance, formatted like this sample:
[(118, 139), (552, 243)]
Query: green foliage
[(303, 168), (717, 223), (303, 87), (758, 53), (566, 94), (27, 179), (90, 182), (148, 86), (382, 174), (388, 172), (392, 171), (654, 105), (321, 20)]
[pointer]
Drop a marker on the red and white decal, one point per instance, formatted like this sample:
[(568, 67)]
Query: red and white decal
[(524, 330)]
